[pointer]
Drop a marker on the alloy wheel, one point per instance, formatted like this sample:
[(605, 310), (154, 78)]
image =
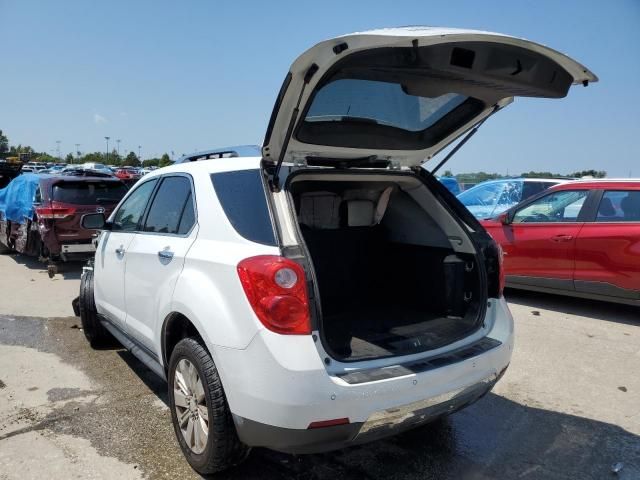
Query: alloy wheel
[(191, 406)]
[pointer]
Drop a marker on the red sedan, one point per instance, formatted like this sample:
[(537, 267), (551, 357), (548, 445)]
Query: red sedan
[(579, 238), (128, 174)]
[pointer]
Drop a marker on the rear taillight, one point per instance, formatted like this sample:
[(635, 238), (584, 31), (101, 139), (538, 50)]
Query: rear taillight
[(276, 289), (495, 272), (55, 211)]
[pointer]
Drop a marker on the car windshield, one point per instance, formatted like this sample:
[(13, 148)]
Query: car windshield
[(89, 193)]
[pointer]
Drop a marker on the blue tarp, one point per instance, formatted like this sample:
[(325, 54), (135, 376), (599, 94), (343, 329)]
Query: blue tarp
[(16, 199)]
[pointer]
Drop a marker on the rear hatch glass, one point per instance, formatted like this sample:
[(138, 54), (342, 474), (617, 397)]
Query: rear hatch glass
[(89, 193)]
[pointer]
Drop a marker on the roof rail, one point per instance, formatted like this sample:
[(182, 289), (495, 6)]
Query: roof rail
[(225, 152)]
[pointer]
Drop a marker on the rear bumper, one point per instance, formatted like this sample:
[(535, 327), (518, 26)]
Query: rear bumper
[(278, 385), (379, 425), (77, 248)]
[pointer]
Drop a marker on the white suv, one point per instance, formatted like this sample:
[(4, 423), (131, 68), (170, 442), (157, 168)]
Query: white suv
[(325, 290)]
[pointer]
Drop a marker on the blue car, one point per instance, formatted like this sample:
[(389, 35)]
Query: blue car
[(451, 183), (492, 197)]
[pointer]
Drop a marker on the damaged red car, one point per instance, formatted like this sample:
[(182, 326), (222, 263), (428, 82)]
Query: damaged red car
[(40, 214)]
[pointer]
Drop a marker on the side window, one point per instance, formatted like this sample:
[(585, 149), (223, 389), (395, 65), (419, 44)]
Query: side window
[(130, 212), (619, 206), (562, 206), (243, 200), (168, 206), (188, 218)]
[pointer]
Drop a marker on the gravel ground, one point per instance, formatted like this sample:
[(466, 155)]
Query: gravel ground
[(568, 407)]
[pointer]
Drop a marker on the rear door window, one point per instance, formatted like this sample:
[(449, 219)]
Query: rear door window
[(170, 202), (619, 206), (89, 193), (243, 200)]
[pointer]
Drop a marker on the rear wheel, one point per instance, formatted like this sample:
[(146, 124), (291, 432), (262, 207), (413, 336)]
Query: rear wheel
[(91, 326), (201, 417)]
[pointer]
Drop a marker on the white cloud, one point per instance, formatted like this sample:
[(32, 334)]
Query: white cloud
[(98, 119)]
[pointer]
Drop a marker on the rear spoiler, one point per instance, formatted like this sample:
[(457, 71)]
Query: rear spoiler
[(225, 152)]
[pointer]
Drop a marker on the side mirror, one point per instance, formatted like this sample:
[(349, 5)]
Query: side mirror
[(504, 218), (94, 221)]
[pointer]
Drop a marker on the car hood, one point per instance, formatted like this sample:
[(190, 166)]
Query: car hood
[(424, 63)]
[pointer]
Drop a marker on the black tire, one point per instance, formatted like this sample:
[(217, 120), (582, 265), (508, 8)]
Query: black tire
[(224, 449), (97, 335)]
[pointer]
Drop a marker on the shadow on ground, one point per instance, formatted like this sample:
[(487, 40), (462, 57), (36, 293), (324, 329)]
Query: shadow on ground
[(68, 270), (495, 438), (613, 312)]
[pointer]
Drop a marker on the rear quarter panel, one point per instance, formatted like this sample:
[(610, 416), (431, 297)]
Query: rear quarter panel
[(609, 252), (209, 293)]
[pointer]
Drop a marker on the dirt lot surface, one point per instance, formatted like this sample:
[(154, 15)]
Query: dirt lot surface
[(568, 407)]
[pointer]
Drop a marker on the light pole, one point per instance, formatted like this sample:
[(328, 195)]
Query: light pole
[(139, 155), (118, 141), (107, 160), (58, 150), (78, 152)]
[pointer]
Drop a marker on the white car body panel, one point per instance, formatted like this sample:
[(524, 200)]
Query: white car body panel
[(150, 281), (109, 271)]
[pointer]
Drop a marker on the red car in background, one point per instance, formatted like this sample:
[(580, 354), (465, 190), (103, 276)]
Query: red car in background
[(579, 238), (129, 175)]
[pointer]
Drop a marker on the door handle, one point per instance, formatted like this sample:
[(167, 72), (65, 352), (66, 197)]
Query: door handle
[(562, 238), (165, 254), (120, 250)]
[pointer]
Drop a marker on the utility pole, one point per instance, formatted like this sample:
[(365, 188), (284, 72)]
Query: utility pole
[(107, 160), (77, 152)]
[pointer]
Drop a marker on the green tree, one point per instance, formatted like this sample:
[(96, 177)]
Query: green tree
[(590, 173), (46, 158), (165, 160), (151, 162), (447, 173), (69, 158), (533, 174), (131, 160), (4, 143), (95, 157), (114, 158)]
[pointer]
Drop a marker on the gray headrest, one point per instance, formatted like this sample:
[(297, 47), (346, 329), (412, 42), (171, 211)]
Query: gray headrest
[(320, 210), (360, 213)]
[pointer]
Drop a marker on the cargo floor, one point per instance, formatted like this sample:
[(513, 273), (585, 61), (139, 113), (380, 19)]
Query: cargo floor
[(391, 330)]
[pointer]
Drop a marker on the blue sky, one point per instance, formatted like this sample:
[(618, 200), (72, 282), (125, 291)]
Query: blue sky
[(193, 75)]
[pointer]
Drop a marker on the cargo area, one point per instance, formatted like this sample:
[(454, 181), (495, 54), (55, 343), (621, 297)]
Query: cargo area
[(395, 273)]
